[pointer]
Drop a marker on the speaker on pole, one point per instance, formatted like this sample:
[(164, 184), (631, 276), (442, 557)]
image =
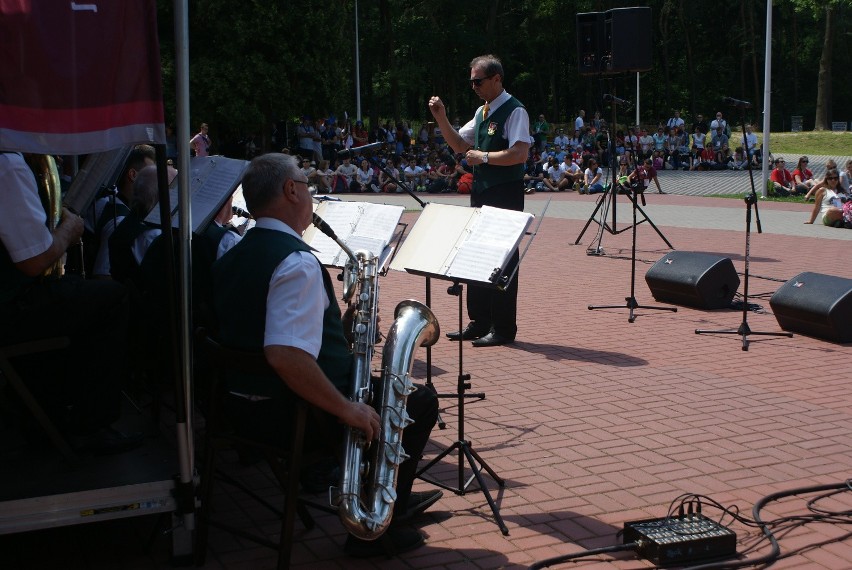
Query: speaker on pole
[(700, 280), (817, 305), (615, 41)]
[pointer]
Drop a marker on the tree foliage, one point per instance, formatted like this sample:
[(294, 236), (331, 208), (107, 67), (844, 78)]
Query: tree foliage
[(256, 62)]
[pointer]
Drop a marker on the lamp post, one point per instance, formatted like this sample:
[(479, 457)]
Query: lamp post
[(357, 69)]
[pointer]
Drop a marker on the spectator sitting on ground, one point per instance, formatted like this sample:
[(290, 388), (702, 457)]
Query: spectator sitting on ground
[(657, 161), (415, 176), (846, 178), (675, 122), (751, 141), (345, 179), (646, 145), (740, 162), (574, 140), (533, 176), (309, 171), (719, 122), (827, 204), (718, 142), (829, 164), (629, 159), (707, 159), (325, 178), (782, 180), (592, 178), (589, 140), (386, 182), (646, 173), (619, 143), (803, 177), (365, 179), (661, 142), (553, 175), (560, 140), (700, 124), (571, 175), (631, 141)]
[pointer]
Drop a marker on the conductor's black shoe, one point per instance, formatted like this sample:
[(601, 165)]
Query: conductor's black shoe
[(418, 502), (106, 441), (396, 540), (470, 332), (493, 339)]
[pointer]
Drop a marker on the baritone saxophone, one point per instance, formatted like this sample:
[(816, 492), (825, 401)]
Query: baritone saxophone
[(367, 491)]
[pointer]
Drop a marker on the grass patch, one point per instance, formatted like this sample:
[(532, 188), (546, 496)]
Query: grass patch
[(794, 199), (811, 142)]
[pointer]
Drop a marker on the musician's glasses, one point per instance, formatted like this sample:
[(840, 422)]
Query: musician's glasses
[(477, 81)]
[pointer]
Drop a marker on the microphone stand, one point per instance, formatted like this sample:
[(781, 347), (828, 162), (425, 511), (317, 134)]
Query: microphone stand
[(751, 202), (631, 303)]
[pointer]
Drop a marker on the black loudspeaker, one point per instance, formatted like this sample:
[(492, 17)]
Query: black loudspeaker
[(627, 34), (700, 280), (616, 41), (815, 305), (590, 40)]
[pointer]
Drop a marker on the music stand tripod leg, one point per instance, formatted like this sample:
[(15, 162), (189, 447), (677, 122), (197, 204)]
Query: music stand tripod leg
[(466, 452)]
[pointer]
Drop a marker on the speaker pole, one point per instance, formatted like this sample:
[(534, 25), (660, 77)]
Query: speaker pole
[(751, 202)]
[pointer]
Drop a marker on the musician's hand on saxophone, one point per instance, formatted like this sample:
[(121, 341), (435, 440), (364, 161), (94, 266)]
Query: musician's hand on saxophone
[(362, 417)]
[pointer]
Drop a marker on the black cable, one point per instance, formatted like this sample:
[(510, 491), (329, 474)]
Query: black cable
[(582, 554), (775, 553)]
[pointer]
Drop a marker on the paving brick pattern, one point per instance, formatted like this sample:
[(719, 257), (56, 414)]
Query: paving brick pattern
[(593, 421)]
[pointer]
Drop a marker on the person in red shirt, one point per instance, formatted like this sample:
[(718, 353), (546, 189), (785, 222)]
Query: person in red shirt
[(646, 173), (803, 178), (782, 180)]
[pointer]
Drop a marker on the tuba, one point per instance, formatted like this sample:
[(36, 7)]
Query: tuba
[(367, 491)]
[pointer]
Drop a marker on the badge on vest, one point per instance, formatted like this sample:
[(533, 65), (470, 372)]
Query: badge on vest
[(492, 128)]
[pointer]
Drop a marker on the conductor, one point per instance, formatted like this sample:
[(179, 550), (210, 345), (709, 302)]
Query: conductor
[(496, 143)]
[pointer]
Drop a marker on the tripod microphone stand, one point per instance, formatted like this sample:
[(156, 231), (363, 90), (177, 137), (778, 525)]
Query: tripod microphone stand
[(608, 199), (751, 202)]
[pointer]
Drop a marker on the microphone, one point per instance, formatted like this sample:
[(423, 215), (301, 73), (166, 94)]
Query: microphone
[(616, 100), (237, 211), (730, 101), (359, 149)]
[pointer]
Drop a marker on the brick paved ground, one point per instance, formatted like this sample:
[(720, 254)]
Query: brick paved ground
[(593, 421)]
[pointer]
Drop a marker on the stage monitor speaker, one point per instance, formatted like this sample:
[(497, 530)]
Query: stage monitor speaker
[(627, 37), (817, 305), (700, 280)]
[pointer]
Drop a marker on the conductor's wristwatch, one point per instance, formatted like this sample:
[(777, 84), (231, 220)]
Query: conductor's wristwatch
[(485, 158)]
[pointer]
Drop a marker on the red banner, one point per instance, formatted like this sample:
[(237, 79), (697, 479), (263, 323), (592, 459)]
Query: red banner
[(79, 77)]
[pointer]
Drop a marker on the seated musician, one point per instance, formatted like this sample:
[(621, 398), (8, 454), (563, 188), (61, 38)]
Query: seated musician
[(79, 387), (271, 294)]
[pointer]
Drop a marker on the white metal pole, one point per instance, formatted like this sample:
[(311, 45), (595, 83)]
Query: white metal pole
[(357, 69), (767, 92), (637, 98)]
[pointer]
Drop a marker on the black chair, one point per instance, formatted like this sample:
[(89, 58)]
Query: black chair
[(285, 462), (7, 371)]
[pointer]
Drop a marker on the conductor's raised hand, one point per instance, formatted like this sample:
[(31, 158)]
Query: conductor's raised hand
[(436, 106), (363, 417)]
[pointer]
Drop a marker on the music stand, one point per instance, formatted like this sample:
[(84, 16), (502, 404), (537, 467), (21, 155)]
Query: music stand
[(457, 244), (751, 202)]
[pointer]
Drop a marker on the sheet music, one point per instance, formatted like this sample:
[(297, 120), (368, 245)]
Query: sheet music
[(212, 180), (99, 171), (463, 243), (360, 225)]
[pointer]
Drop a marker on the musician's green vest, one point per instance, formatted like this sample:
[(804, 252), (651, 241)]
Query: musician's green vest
[(489, 137), (240, 288)]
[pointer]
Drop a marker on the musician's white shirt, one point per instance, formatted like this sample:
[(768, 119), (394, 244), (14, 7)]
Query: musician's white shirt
[(22, 218), (296, 300)]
